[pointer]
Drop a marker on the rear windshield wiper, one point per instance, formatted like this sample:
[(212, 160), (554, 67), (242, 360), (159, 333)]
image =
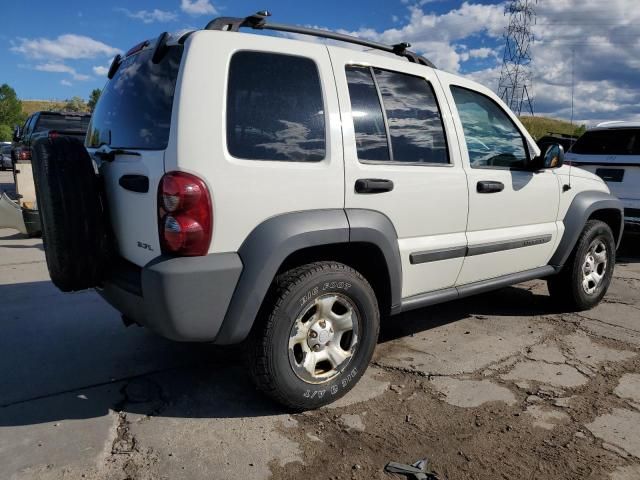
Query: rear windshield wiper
[(109, 154)]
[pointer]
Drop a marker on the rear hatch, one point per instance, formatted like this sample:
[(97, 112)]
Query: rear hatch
[(132, 121), (614, 155)]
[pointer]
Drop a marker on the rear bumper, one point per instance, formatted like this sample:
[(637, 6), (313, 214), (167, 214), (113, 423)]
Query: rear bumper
[(183, 299)]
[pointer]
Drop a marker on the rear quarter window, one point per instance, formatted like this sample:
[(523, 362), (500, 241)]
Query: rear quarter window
[(134, 110), (275, 108)]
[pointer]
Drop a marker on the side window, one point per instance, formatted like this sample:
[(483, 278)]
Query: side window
[(409, 130), (368, 120), (413, 116), (28, 125), (492, 138), (275, 108)]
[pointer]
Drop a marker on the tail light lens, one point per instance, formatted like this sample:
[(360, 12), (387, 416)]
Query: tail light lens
[(24, 154), (185, 215), (53, 134)]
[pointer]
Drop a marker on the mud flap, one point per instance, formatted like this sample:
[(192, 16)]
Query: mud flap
[(11, 215)]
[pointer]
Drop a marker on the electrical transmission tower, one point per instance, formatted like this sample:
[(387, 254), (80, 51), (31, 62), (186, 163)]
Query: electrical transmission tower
[(516, 76)]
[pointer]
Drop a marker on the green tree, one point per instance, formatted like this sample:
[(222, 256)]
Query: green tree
[(10, 106), (6, 133), (93, 98), (76, 104)]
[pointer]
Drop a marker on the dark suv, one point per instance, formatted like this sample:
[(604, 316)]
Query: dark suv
[(48, 124)]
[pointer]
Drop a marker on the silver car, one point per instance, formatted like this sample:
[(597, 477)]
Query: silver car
[(5, 157)]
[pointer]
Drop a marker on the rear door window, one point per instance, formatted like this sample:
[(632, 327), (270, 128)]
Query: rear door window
[(609, 142), (395, 117), (275, 108), (134, 109)]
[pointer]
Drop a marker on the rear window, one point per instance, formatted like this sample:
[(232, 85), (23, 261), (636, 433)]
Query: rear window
[(134, 110), (62, 122), (275, 108), (609, 142)]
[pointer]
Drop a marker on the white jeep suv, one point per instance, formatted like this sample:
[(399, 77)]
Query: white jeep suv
[(287, 194)]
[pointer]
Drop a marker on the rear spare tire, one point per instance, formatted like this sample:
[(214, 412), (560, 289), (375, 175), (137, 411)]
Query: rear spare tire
[(72, 213)]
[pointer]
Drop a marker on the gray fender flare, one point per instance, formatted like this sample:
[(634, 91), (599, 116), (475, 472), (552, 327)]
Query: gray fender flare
[(584, 205), (270, 243)]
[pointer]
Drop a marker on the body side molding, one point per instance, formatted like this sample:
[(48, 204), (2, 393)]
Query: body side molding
[(582, 207), (481, 249)]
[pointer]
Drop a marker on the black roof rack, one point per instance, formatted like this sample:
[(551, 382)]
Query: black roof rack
[(258, 22)]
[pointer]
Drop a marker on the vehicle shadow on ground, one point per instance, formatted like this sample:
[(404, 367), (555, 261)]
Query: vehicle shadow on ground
[(629, 251), (178, 380), (517, 301)]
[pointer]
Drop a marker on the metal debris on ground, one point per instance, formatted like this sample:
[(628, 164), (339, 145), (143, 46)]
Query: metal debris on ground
[(416, 471)]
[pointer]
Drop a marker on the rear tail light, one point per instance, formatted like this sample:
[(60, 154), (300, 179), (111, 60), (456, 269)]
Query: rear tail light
[(53, 134), (24, 154), (185, 215)]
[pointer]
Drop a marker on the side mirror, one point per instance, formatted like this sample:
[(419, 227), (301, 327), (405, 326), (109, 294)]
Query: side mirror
[(17, 133), (554, 157)]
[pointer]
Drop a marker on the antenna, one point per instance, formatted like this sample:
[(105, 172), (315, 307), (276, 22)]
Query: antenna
[(566, 188), (515, 85)]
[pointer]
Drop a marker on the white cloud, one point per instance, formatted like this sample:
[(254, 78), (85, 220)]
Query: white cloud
[(150, 16), (66, 83), (198, 7), (436, 35), (605, 42), (100, 70), (61, 68), (68, 46)]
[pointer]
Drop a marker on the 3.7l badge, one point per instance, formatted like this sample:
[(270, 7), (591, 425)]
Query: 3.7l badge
[(146, 246)]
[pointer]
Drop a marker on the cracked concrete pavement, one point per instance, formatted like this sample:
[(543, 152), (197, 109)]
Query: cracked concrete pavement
[(487, 387)]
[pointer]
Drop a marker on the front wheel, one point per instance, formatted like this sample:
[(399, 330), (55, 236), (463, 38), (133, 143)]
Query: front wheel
[(316, 335), (586, 276)]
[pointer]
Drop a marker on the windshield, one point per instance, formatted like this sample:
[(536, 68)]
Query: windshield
[(134, 110), (62, 122), (609, 142)]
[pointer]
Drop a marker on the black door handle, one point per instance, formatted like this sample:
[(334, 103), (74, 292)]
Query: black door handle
[(373, 185), (489, 186), (135, 183)]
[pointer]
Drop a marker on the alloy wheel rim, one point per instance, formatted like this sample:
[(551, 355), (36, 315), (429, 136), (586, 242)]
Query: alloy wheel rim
[(324, 338), (594, 267)]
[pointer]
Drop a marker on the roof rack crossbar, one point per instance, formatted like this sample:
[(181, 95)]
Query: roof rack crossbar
[(258, 22)]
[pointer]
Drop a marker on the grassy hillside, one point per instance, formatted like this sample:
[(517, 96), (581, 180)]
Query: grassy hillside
[(540, 126), (30, 106)]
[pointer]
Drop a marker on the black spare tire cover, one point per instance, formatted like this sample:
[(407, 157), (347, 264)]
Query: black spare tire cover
[(72, 213)]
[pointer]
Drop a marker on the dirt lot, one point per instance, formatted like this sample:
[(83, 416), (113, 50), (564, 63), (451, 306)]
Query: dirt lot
[(498, 386)]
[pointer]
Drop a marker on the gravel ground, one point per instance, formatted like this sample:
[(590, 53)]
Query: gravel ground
[(502, 385)]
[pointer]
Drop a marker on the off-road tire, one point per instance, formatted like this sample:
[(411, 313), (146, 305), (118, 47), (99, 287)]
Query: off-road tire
[(566, 287), (72, 213), (268, 343)]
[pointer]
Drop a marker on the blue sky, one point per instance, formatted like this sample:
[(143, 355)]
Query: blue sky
[(60, 49)]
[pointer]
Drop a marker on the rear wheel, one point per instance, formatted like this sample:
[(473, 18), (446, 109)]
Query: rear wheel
[(316, 337), (586, 276)]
